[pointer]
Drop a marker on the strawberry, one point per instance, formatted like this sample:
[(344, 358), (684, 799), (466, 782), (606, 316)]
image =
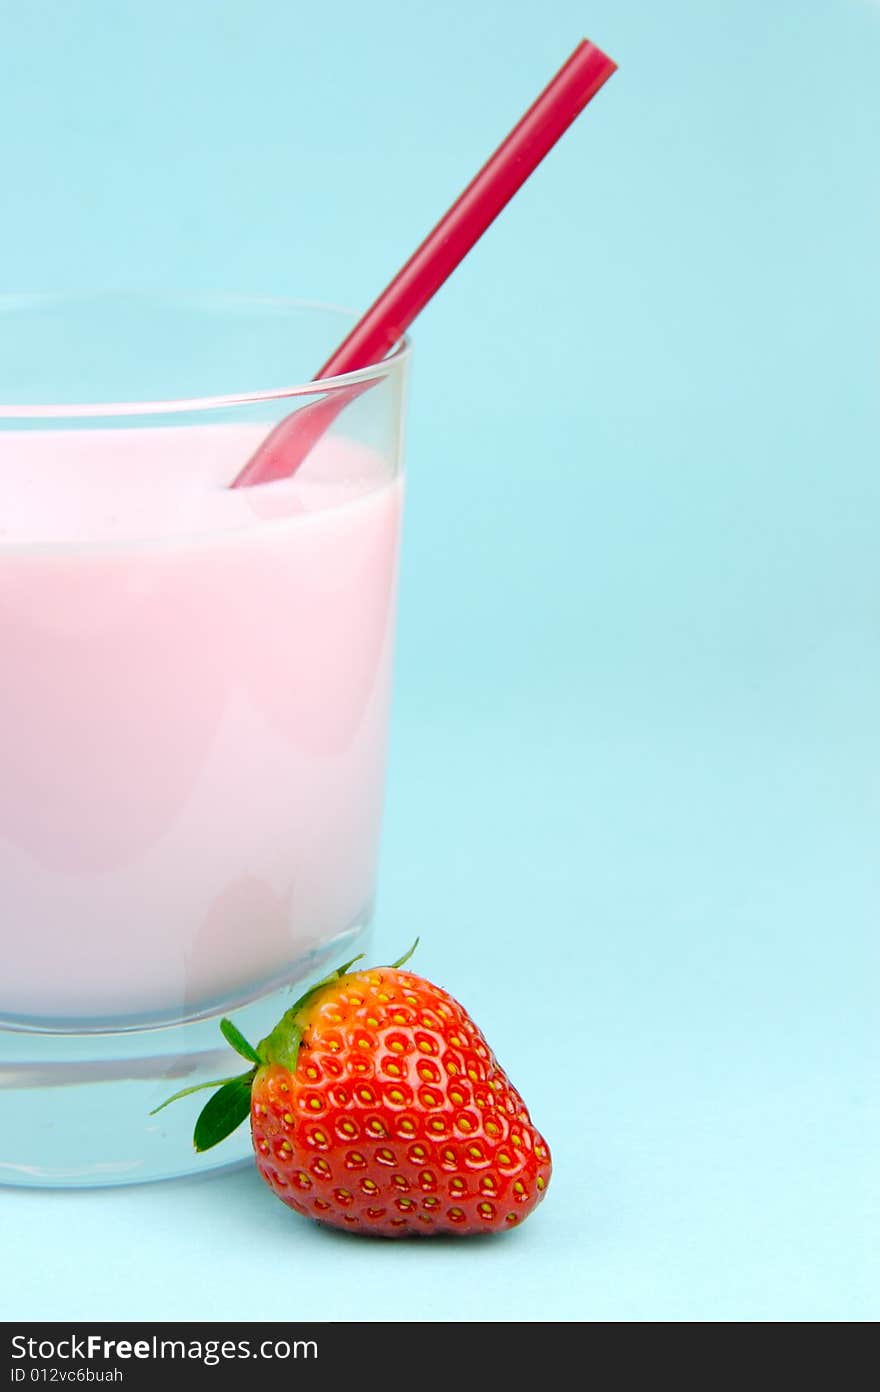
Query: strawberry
[(377, 1106)]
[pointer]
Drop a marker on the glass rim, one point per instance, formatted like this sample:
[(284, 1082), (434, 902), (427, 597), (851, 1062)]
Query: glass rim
[(180, 405)]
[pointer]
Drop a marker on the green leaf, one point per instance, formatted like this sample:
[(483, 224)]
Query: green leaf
[(282, 1045), (234, 1036), (328, 980), (223, 1112), (346, 966), (406, 956), (197, 1087)]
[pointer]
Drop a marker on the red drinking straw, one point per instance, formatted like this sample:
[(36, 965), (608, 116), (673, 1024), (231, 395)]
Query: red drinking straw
[(388, 318)]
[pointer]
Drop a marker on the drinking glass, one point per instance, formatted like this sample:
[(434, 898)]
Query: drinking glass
[(194, 700)]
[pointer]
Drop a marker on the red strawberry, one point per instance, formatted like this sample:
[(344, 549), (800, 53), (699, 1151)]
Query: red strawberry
[(377, 1106)]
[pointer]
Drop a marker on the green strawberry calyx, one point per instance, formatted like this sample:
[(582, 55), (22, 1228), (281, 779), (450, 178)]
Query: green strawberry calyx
[(230, 1105)]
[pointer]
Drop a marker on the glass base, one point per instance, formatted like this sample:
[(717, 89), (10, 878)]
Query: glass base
[(75, 1106)]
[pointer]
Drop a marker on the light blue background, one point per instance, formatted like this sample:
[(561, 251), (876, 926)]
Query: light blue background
[(634, 798)]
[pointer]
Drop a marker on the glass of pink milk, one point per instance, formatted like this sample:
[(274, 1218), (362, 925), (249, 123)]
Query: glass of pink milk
[(194, 699)]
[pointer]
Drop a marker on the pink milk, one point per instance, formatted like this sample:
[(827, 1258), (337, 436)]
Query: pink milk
[(194, 699)]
